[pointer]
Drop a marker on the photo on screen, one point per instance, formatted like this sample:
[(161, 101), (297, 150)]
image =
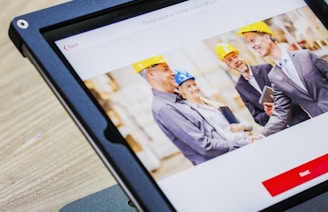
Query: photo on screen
[(127, 98)]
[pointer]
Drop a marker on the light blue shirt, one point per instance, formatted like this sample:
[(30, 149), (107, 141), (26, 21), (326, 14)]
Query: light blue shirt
[(287, 66)]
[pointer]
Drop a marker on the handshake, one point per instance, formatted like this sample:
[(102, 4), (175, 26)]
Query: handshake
[(254, 138)]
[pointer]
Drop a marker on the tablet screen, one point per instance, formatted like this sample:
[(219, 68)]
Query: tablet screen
[(187, 37)]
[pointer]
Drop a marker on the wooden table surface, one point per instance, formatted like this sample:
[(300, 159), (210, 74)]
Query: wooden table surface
[(45, 162)]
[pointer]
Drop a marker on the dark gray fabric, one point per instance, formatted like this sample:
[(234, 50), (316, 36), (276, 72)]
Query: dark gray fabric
[(316, 204), (114, 199), (107, 200)]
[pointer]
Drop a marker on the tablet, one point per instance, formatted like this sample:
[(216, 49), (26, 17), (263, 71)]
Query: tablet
[(266, 95), (110, 63)]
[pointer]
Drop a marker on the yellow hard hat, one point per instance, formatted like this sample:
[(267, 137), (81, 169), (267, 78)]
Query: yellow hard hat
[(141, 65), (223, 49), (256, 27)]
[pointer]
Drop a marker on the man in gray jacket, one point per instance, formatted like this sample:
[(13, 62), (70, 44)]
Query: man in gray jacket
[(196, 138), (298, 77)]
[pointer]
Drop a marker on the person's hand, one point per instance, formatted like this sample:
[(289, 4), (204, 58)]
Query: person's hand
[(268, 108), (237, 128), (254, 138)]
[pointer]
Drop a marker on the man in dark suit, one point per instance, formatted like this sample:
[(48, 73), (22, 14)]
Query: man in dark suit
[(250, 83), (299, 77)]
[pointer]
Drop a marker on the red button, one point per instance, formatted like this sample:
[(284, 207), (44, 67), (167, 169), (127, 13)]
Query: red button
[(297, 176)]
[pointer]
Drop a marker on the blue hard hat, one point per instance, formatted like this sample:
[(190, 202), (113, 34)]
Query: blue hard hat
[(182, 76)]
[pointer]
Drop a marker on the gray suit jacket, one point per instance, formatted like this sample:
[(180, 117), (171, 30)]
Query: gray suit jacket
[(313, 72)]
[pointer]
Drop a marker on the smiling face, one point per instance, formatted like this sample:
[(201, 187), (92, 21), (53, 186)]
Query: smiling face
[(260, 42), (236, 62), (161, 78), (190, 91)]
